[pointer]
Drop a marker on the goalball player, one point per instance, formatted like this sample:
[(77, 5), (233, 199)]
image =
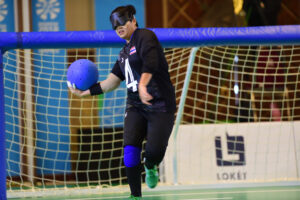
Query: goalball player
[(151, 102)]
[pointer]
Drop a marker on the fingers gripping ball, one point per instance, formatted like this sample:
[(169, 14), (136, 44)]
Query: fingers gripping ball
[(82, 74)]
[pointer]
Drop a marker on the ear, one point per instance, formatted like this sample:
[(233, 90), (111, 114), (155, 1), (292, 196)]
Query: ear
[(134, 21)]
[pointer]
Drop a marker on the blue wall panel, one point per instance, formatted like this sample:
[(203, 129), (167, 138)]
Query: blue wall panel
[(11, 94), (53, 139)]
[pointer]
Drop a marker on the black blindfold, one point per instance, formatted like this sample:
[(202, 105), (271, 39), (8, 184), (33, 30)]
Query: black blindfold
[(117, 20)]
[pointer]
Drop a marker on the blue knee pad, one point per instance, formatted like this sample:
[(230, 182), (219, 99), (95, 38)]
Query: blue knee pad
[(132, 156)]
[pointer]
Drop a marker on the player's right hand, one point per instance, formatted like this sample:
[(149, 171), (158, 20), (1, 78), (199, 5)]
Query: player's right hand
[(77, 92)]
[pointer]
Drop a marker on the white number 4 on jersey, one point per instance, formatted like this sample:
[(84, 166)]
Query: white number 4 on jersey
[(130, 81)]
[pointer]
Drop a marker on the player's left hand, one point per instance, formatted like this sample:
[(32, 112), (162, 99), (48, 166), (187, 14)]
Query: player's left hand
[(144, 95)]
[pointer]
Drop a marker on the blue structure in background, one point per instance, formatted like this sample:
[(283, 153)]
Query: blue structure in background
[(52, 130), (112, 113), (11, 133), (7, 23)]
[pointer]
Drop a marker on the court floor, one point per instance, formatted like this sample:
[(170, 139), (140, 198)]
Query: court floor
[(185, 193)]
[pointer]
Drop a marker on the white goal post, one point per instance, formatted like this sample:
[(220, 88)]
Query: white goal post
[(238, 110)]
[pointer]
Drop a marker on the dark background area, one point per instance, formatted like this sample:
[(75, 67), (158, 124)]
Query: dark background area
[(220, 13)]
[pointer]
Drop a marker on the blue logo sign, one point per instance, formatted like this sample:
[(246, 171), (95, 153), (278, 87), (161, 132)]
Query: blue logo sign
[(7, 21), (3, 10), (47, 9)]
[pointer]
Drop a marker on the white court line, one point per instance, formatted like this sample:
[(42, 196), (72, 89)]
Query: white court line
[(210, 198), (158, 195), (195, 193)]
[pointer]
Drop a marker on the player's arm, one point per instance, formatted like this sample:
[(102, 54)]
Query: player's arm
[(109, 84), (148, 52)]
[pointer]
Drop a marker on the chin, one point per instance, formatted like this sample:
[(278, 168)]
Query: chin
[(124, 37)]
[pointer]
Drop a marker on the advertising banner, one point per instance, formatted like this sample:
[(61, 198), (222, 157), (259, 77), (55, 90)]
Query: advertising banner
[(226, 153)]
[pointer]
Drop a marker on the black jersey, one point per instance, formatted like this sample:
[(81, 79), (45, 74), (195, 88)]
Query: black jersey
[(144, 54)]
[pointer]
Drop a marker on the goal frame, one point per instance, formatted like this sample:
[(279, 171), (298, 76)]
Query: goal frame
[(169, 37)]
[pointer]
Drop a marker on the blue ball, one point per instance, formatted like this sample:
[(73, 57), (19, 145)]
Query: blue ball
[(82, 73)]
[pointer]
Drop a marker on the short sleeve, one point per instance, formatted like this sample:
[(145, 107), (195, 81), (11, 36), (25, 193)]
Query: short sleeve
[(116, 70), (149, 51)]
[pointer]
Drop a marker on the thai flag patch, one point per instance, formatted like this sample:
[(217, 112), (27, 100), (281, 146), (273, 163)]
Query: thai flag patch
[(132, 50)]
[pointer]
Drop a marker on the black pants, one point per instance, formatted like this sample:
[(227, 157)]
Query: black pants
[(156, 127)]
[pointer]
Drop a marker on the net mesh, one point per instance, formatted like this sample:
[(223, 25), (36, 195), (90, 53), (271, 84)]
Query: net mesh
[(243, 84), (57, 140)]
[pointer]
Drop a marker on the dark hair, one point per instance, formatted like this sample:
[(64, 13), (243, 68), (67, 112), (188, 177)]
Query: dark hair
[(121, 15)]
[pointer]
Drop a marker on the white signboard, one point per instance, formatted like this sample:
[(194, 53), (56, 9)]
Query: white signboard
[(220, 153)]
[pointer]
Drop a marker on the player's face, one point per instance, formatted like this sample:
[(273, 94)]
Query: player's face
[(127, 30)]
